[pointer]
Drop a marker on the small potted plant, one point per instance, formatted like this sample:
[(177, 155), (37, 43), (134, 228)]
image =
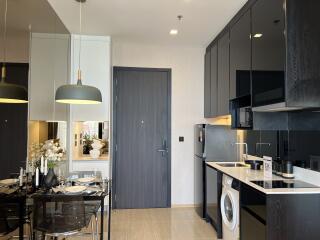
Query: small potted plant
[(87, 141)]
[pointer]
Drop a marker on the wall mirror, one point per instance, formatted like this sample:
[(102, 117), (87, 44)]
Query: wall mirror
[(90, 140), (37, 56)]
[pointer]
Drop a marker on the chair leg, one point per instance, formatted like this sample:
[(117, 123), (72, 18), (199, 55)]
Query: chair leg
[(30, 231), (92, 232), (96, 220)]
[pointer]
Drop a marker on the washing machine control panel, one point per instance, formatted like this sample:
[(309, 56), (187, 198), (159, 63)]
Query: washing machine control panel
[(230, 182)]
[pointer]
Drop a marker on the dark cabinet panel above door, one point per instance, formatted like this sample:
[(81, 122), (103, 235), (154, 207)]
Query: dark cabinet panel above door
[(214, 80), (268, 52), (240, 57), (223, 75)]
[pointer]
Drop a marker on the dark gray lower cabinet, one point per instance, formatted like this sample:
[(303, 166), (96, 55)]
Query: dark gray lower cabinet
[(293, 217), (251, 229), (253, 214), (278, 216)]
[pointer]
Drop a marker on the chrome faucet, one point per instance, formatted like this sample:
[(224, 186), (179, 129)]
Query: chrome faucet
[(245, 145)]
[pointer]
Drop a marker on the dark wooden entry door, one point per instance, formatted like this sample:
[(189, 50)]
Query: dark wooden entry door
[(142, 138)]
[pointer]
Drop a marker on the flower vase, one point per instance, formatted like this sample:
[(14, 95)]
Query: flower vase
[(50, 179)]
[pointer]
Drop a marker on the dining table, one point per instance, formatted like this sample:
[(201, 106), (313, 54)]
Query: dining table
[(96, 191)]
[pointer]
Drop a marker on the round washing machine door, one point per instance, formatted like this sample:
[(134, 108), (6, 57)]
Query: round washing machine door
[(229, 209)]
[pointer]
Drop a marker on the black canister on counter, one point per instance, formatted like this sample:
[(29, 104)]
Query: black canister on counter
[(287, 170)]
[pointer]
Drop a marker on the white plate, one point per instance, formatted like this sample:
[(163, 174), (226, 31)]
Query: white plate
[(86, 180), (75, 189), (9, 181)]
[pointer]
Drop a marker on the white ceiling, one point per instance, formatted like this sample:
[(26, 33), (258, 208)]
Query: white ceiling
[(149, 21), (31, 15)]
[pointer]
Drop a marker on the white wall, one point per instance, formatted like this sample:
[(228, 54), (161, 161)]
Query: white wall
[(17, 47), (95, 68), (187, 66)]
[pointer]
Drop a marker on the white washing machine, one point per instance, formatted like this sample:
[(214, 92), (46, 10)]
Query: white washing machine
[(230, 208)]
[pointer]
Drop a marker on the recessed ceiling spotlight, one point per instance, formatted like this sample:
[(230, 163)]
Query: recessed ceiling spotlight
[(258, 35), (173, 32)]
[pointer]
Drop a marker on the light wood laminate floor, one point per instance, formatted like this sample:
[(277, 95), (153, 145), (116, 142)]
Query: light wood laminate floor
[(160, 224), (153, 224)]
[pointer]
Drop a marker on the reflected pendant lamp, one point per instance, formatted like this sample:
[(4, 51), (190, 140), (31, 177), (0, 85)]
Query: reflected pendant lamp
[(78, 93), (10, 93)]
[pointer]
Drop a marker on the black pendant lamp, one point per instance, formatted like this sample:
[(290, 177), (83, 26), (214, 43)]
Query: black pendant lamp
[(10, 93), (78, 93)]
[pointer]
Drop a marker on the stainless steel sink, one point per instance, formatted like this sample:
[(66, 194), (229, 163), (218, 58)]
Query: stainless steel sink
[(236, 164)]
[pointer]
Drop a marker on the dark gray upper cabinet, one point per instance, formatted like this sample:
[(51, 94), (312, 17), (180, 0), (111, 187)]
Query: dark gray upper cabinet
[(303, 53), (214, 80), (281, 56), (207, 86), (240, 57), (223, 74), (268, 52)]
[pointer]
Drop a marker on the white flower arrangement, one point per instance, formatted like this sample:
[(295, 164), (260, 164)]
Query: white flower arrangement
[(50, 150)]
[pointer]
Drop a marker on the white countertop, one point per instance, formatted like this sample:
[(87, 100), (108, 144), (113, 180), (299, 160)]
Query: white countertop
[(246, 175)]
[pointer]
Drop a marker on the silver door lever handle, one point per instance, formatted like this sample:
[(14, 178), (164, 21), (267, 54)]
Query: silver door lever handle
[(162, 150)]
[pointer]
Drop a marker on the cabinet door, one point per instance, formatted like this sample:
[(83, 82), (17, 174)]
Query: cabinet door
[(268, 52), (207, 91), (240, 57), (214, 81), (49, 58), (303, 53), (223, 75)]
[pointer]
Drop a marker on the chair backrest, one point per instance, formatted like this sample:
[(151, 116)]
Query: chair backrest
[(9, 213), (54, 213), (81, 174)]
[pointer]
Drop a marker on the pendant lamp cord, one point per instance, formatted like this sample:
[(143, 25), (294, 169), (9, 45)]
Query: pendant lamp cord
[(3, 69), (80, 44)]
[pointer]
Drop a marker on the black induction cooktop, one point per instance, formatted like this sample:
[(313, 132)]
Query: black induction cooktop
[(284, 184)]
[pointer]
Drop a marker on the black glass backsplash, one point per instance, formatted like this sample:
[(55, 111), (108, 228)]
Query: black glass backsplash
[(300, 147)]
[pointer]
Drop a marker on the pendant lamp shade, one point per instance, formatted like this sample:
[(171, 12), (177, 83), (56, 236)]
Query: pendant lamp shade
[(78, 93), (11, 93)]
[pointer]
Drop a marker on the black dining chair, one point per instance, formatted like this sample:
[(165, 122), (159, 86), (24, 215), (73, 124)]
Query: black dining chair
[(60, 215), (90, 206), (11, 210)]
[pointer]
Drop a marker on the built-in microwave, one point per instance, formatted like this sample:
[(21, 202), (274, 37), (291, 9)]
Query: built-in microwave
[(241, 113)]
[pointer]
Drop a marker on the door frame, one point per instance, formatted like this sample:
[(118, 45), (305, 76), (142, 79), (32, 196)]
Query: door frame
[(116, 69)]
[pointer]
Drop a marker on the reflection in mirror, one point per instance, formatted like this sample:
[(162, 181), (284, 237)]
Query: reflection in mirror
[(24, 20), (48, 139), (90, 140), (41, 131)]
